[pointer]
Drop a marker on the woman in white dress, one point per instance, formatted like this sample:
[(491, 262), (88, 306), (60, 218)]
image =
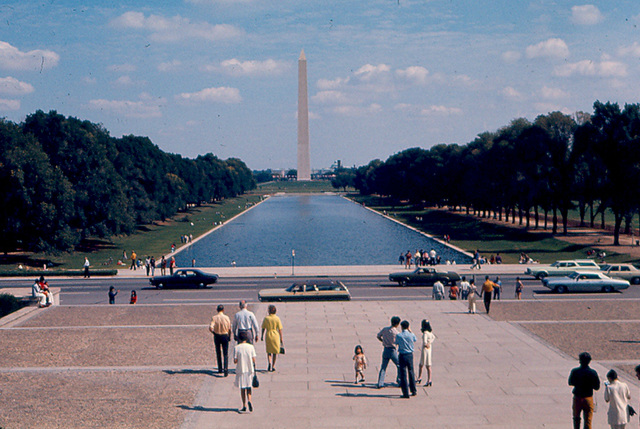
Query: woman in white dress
[(617, 394), (425, 356), (244, 356), (473, 295)]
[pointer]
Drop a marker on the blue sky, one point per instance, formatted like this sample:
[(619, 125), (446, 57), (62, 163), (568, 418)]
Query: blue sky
[(220, 76)]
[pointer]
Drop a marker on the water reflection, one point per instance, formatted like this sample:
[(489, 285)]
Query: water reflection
[(323, 230)]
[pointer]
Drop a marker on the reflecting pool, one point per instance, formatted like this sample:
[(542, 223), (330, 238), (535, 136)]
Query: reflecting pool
[(321, 229)]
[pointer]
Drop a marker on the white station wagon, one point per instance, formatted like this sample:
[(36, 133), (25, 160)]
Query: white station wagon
[(585, 281)]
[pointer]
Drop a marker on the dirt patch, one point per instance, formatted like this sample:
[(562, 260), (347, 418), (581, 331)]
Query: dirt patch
[(609, 309)]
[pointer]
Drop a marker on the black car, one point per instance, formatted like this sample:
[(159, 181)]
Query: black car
[(424, 276), (184, 278)]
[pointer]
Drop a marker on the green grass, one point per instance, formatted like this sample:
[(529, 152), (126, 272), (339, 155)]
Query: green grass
[(153, 240), (297, 187), (470, 233)]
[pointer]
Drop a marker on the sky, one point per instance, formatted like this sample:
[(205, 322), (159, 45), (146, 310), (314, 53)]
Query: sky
[(220, 76)]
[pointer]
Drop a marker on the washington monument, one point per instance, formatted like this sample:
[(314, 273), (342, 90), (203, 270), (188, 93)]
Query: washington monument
[(304, 163)]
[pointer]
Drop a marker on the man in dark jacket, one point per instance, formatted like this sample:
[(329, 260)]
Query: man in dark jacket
[(584, 381)]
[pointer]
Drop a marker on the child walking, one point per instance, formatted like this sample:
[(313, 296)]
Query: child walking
[(360, 362)]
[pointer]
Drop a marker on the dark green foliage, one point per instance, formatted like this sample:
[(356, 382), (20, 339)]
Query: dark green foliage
[(65, 180), (546, 166), (9, 304)]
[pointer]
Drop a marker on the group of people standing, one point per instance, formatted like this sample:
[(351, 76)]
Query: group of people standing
[(398, 347), (244, 330), (420, 258)]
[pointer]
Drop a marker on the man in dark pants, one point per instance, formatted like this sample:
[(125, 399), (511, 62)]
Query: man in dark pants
[(220, 327), (584, 381), (487, 290), (405, 341), (387, 336)]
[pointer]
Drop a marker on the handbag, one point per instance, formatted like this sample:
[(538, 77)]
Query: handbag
[(282, 350), (255, 382), (631, 411)]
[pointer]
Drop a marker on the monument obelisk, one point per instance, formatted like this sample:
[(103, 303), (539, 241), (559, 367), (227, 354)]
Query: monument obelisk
[(304, 162)]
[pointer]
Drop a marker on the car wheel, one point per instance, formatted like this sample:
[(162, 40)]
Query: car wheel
[(402, 282), (201, 286), (561, 289), (607, 289), (159, 286), (635, 281)]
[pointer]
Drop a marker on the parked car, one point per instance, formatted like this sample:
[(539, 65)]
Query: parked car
[(310, 290), (424, 276), (585, 281), (623, 271), (562, 268), (184, 278)]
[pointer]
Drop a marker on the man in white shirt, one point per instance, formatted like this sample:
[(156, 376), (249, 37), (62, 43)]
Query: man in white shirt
[(245, 321)]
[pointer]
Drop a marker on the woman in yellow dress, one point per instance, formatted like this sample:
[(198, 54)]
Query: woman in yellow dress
[(273, 327)]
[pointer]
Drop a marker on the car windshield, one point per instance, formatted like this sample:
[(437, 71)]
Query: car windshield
[(574, 275)]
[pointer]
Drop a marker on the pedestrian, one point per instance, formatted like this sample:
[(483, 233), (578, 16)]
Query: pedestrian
[(405, 341), (134, 297), (519, 288), (617, 394), (497, 287), (244, 356), (152, 263), (387, 336), (464, 288), (112, 295), (425, 355), (584, 381), (193, 263), (453, 292), (245, 321), (147, 265), (476, 260), (172, 265), (272, 325), (220, 327), (134, 260), (87, 264), (407, 259), (38, 293), (472, 296), (401, 258), (437, 292), (163, 266), (487, 290), (359, 363)]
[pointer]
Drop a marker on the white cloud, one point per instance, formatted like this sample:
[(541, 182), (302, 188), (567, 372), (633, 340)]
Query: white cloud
[(553, 93), (146, 107), (414, 74), (122, 68), (511, 57), (512, 93), (554, 48), (12, 86), (252, 68), (176, 28), (169, 66), (9, 104), (13, 59), (587, 14), (592, 68), (370, 72), (440, 111), (330, 97), (325, 84), (215, 95), (545, 108), (631, 51), (358, 110), (124, 81)]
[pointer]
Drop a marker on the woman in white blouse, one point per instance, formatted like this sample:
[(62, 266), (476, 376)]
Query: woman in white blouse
[(617, 394), (425, 356)]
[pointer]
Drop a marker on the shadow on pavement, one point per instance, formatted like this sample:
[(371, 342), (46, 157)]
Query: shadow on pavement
[(209, 410), (193, 371)]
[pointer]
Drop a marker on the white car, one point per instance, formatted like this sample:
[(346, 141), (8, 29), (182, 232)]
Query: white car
[(310, 290), (585, 281)]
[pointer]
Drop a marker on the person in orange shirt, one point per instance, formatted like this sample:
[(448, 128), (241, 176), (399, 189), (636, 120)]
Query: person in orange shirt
[(486, 292)]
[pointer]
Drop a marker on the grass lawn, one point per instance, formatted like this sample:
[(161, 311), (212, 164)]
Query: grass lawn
[(297, 187), (153, 240), (470, 233)]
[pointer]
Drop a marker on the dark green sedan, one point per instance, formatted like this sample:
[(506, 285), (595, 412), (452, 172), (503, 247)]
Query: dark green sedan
[(424, 277)]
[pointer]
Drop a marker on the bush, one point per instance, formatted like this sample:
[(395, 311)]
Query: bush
[(9, 304)]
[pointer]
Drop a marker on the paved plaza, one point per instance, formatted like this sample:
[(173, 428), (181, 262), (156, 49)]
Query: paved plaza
[(149, 366)]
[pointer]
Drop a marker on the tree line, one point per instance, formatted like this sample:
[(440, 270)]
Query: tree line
[(64, 180), (526, 169)]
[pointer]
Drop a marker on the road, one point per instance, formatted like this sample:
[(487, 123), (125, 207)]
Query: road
[(231, 290)]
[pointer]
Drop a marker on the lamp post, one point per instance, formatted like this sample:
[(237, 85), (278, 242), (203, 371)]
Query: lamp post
[(293, 260)]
